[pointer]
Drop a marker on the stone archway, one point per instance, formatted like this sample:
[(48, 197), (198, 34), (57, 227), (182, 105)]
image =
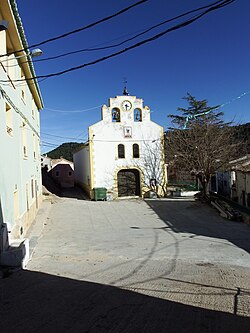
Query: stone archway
[(128, 183)]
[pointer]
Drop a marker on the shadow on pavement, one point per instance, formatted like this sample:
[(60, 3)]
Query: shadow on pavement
[(200, 219), (74, 193), (53, 188), (38, 302)]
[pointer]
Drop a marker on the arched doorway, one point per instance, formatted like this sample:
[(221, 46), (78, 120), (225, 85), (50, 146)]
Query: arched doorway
[(128, 182)]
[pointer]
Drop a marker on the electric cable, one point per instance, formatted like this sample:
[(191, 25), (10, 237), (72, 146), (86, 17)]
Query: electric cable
[(73, 111), (107, 18), (117, 44), (126, 40), (58, 136), (145, 41)]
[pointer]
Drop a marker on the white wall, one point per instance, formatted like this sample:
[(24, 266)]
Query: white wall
[(106, 135), (46, 161), (17, 170), (82, 167)]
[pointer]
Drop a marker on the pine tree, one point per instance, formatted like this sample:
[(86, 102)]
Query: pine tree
[(200, 141)]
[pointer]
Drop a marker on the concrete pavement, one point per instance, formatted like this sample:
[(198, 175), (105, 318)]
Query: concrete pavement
[(132, 266)]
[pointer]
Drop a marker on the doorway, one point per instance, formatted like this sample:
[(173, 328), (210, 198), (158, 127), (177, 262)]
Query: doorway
[(128, 183)]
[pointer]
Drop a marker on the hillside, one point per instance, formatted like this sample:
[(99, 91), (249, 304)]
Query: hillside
[(66, 150), (243, 135)]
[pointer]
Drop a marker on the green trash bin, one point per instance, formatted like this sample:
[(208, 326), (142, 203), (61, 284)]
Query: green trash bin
[(100, 193)]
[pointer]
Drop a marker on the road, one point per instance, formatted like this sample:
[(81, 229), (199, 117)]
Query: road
[(131, 266)]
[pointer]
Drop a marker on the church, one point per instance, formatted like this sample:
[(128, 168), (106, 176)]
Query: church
[(124, 153)]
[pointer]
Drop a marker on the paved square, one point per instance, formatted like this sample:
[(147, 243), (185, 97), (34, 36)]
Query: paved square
[(139, 266)]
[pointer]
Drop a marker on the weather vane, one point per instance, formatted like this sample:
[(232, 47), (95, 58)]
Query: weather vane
[(125, 91)]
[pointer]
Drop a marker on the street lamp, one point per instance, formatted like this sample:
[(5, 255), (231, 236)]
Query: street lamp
[(33, 53)]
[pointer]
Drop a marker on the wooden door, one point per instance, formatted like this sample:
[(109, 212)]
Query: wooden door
[(128, 183)]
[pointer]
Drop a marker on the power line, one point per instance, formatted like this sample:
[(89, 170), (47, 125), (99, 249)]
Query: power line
[(45, 145), (23, 82), (126, 140), (80, 29), (49, 143), (73, 111), (18, 111), (56, 140), (58, 136), (221, 4), (96, 140), (94, 48), (126, 40)]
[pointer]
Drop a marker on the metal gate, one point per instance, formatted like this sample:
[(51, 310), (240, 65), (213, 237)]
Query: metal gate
[(128, 183)]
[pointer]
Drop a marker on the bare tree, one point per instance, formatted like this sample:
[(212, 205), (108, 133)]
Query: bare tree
[(201, 142), (152, 165)]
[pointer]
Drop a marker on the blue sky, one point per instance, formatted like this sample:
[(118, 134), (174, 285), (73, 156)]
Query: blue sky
[(209, 59)]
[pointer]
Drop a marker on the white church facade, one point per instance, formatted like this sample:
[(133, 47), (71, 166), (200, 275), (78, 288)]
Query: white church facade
[(124, 153)]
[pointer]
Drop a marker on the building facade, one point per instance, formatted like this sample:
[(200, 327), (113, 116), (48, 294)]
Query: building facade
[(124, 153), (20, 102), (62, 172), (243, 186), (241, 168), (235, 182)]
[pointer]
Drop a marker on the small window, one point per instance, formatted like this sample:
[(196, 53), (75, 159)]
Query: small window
[(116, 117), (137, 115), (136, 153), (121, 151), (70, 173), (57, 173)]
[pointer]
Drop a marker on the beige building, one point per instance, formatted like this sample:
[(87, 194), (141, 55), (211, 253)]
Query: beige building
[(20, 102)]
